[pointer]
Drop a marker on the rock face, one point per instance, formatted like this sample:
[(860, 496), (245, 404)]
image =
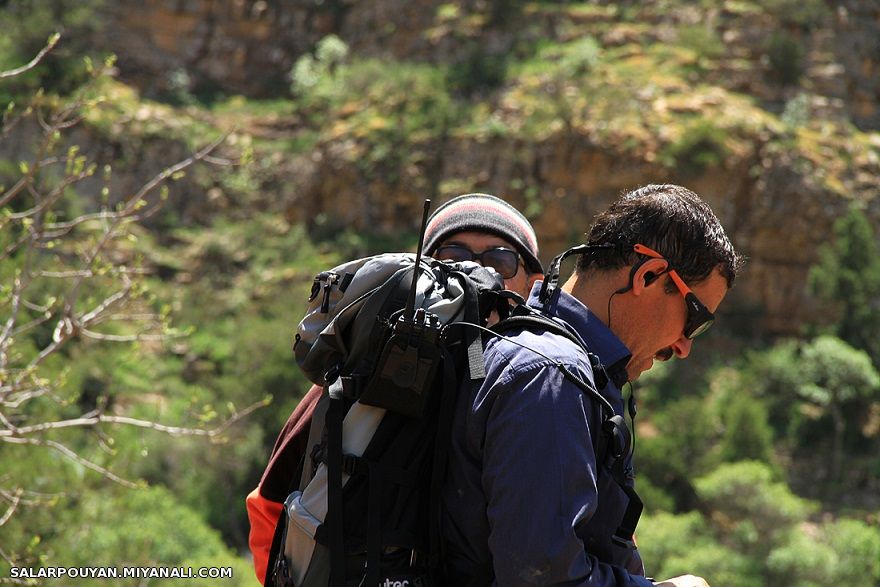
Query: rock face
[(776, 215), (249, 46), (776, 219)]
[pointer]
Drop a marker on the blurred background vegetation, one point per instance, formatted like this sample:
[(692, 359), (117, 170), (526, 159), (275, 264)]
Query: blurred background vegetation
[(318, 128)]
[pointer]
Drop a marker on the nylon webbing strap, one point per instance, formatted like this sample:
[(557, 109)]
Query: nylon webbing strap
[(316, 430), (442, 441), (277, 572), (335, 530), (374, 527), (624, 534), (476, 365)]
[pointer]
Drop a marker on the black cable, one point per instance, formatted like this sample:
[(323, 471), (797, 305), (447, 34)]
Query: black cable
[(631, 408)]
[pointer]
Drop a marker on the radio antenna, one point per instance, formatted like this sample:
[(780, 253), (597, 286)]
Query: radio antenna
[(409, 311)]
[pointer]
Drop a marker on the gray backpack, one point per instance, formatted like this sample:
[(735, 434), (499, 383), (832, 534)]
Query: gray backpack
[(391, 354)]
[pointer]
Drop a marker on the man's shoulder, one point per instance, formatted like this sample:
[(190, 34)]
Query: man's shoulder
[(524, 348)]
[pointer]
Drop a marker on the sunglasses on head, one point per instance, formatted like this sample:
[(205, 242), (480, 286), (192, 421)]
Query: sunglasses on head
[(504, 261), (699, 318)]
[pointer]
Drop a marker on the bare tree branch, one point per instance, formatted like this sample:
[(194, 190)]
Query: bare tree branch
[(123, 337), (56, 193), (15, 400), (14, 500), (33, 323), (94, 419), (53, 40), (72, 455)]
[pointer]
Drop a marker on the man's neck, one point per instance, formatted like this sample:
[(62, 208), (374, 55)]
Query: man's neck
[(593, 289)]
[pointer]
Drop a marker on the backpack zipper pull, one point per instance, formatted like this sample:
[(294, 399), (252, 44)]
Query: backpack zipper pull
[(329, 280)]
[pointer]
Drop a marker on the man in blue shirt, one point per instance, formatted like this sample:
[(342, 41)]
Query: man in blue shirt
[(525, 501)]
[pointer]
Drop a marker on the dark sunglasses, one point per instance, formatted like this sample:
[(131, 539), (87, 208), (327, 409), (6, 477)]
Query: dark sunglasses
[(504, 261), (699, 318)]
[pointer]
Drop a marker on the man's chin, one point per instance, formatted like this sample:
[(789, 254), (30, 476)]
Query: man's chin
[(633, 372)]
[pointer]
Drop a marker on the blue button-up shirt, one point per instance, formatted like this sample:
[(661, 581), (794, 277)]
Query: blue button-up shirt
[(523, 492)]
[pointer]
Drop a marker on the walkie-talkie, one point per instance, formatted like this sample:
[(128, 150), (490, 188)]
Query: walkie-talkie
[(411, 355)]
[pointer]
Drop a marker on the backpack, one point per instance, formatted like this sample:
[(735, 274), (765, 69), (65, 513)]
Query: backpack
[(392, 352), (391, 357)]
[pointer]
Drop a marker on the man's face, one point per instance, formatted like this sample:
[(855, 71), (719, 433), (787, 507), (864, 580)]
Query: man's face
[(478, 242), (652, 326)]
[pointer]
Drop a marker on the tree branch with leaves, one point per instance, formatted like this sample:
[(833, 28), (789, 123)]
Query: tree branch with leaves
[(72, 276)]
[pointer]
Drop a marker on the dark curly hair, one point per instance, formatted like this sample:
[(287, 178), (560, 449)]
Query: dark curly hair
[(670, 219)]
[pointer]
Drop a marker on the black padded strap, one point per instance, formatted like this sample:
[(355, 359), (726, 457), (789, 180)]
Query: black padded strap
[(540, 322), (335, 530), (374, 527), (442, 442), (277, 571)]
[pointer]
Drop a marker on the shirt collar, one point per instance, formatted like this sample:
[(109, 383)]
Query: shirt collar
[(600, 340)]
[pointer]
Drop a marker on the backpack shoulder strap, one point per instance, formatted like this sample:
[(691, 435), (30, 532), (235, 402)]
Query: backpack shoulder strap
[(522, 317)]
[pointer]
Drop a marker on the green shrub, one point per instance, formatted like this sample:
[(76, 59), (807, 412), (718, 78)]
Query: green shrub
[(747, 435), (756, 510), (703, 40), (804, 13), (803, 562), (673, 545), (846, 279), (477, 70), (785, 55), (700, 147), (141, 527), (857, 546)]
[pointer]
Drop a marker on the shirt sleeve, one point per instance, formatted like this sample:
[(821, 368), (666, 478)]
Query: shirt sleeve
[(539, 479), (263, 515)]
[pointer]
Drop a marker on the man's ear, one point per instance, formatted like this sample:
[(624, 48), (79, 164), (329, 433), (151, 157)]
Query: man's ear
[(647, 274)]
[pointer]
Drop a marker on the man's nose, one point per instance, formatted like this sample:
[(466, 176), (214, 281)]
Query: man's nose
[(682, 347)]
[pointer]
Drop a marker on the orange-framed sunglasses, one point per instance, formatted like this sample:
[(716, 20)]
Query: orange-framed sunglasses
[(699, 318)]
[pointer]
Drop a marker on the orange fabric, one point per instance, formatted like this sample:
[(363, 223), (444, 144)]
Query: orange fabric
[(263, 515)]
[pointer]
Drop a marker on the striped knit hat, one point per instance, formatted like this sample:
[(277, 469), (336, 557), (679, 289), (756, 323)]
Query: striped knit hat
[(484, 213)]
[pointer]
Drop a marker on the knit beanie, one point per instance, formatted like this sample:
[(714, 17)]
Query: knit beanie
[(484, 213)]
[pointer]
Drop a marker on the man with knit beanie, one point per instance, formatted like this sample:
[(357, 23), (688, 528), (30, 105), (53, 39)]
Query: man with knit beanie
[(488, 230), (472, 227)]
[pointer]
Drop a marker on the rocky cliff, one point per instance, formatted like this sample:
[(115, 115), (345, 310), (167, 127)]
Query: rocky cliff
[(249, 46), (778, 157)]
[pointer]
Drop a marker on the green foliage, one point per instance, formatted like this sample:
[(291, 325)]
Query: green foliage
[(671, 461), (142, 527), (747, 434), (395, 113), (804, 13), (857, 546), (26, 24), (755, 509), (797, 112), (478, 70), (309, 70), (664, 536), (846, 279), (702, 145), (833, 373), (785, 54), (773, 376), (803, 562), (716, 563), (843, 552), (703, 40), (673, 545)]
